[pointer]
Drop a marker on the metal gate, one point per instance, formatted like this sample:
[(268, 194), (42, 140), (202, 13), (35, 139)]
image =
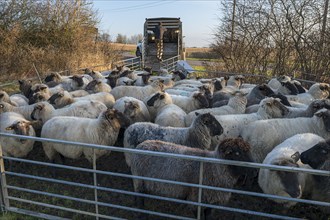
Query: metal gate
[(80, 190)]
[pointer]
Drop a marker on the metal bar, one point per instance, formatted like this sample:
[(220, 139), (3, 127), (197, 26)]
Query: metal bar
[(34, 214), (4, 192), (263, 195), (101, 203), (61, 208), (199, 209), (154, 213), (35, 68), (95, 184), (171, 155)]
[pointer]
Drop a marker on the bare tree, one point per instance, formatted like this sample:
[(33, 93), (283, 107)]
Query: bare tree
[(274, 37)]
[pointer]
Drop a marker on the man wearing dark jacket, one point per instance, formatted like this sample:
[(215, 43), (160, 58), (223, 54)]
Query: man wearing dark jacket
[(159, 32)]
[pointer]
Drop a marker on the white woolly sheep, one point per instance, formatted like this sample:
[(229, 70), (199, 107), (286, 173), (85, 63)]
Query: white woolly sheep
[(312, 108), (235, 81), (168, 114), (25, 111), (216, 175), (103, 130), (96, 86), (4, 97), (11, 122), (236, 105), (64, 98), (198, 135), (283, 183), (125, 81), (87, 109), (316, 91), (133, 108), (264, 135), (233, 124), (137, 92), (195, 101)]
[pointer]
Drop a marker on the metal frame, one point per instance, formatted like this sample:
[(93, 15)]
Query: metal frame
[(170, 63), (7, 197)]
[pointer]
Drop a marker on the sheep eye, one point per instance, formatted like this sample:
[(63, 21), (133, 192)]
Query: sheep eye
[(323, 151), (206, 122)]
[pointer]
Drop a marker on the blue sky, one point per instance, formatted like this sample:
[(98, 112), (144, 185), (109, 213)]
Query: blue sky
[(199, 18)]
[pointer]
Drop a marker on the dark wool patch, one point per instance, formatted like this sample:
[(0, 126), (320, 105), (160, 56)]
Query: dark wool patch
[(234, 143)]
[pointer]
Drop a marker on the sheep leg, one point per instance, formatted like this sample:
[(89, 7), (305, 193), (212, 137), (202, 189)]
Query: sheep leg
[(139, 200), (207, 213)]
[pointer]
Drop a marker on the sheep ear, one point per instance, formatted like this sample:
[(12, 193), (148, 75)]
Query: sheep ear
[(295, 156), (98, 82), (20, 82), (320, 113), (162, 96)]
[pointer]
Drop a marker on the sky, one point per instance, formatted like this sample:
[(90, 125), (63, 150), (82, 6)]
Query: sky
[(199, 18)]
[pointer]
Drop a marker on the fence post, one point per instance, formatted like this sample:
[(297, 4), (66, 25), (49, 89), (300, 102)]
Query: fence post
[(200, 190), (95, 185), (4, 191)]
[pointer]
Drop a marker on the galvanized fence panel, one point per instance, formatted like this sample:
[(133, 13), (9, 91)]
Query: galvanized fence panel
[(99, 190), (170, 63)]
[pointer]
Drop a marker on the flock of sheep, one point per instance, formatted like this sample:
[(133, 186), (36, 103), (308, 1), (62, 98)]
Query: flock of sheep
[(280, 123)]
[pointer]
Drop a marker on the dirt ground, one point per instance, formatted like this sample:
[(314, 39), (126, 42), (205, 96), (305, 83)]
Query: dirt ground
[(115, 162)]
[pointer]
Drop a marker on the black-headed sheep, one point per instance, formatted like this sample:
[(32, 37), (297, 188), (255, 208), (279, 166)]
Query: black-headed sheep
[(133, 108), (236, 105), (264, 135), (283, 183), (86, 109), (168, 114), (318, 157), (216, 175), (198, 135)]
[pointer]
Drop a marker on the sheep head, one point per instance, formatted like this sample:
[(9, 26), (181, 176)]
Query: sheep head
[(78, 79), (52, 100), (130, 108), (21, 127), (325, 115), (116, 118), (289, 180), (202, 100), (239, 150), (265, 90), (274, 108), (317, 155), (291, 87), (208, 123)]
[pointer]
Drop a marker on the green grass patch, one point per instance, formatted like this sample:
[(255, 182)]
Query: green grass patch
[(199, 71), (16, 216)]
